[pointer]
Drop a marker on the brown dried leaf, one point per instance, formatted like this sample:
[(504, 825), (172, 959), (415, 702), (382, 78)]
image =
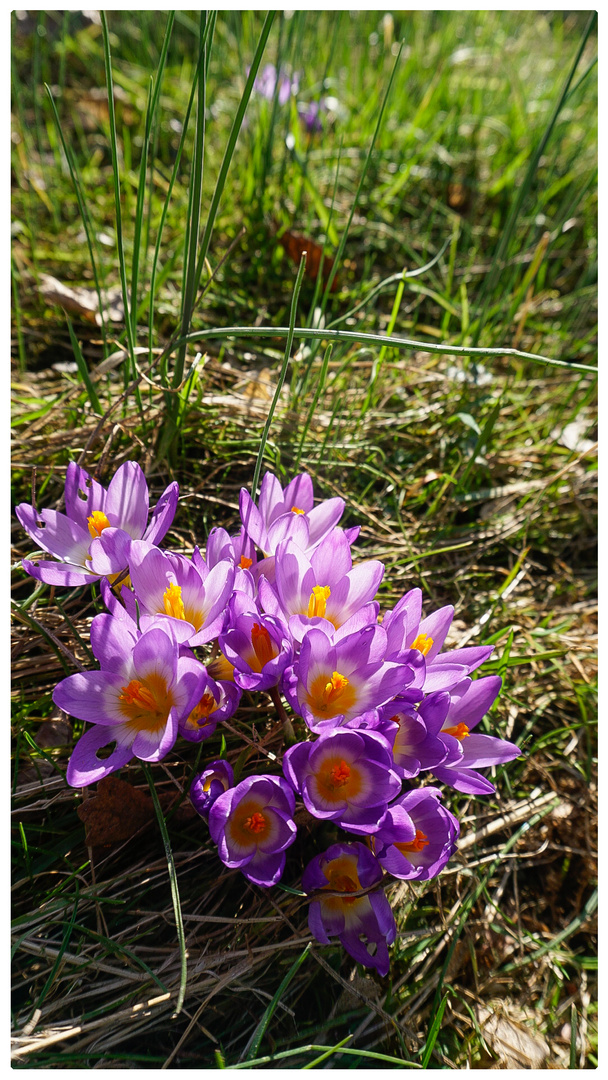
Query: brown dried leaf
[(296, 245), (84, 302), (115, 813)]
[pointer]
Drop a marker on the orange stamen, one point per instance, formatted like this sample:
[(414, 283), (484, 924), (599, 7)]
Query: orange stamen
[(256, 823), (460, 731), (97, 522), (245, 563), (317, 603), (423, 643), (296, 510), (200, 712), (262, 644)]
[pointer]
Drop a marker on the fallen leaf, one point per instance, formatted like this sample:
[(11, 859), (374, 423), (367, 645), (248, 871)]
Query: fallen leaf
[(296, 245), (81, 301), (513, 1042), (115, 813)]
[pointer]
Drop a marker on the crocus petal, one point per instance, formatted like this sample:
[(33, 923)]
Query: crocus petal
[(436, 626), (466, 780), (127, 500), (55, 533), (57, 573), (479, 751), (85, 767), (112, 642), (471, 700), (162, 515), (323, 518), (83, 495), (91, 695), (110, 552)]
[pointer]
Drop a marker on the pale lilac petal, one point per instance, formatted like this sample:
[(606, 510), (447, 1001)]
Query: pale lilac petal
[(295, 579), (55, 533), (288, 526), (91, 695), (110, 552), (219, 547), (323, 518), (153, 745), (85, 767), (156, 654), (332, 559), (271, 498), (112, 641), (436, 626), (357, 588), (252, 520), (83, 495), (127, 500), (471, 700), (442, 677), (299, 493), (467, 781), (57, 573), (162, 515), (151, 574)]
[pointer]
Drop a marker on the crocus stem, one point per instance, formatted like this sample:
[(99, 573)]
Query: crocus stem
[(290, 735)]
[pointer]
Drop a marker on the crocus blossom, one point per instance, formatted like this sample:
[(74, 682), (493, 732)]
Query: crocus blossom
[(255, 645), (468, 752), (416, 836), (136, 700), (252, 825), (208, 785), (345, 776), (364, 924), (92, 539)]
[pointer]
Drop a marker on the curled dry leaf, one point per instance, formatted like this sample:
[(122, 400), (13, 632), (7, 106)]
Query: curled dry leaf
[(296, 245), (515, 1044), (78, 300), (115, 813)]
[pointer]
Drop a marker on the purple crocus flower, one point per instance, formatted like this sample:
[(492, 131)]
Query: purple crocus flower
[(468, 752), (416, 836), (336, 681), (324, 590), (344, 776), (418, 642), (137, 700), (266, 82), (310, 114), (185, 591), (92, 539), (416, 742), (252, 825), (208, 785), (255, 645), (218, 701), (289, 513), (364, 925)]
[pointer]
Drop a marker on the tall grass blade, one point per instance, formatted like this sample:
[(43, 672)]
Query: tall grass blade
[(282, 374), (83, 370), (269, 1012)]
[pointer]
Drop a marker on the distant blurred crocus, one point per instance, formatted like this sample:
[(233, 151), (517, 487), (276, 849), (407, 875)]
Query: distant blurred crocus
[(266, 83), (310, 113)]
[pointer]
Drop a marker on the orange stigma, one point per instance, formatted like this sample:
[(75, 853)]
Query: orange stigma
[(423, 643), (460, 731), (262, 644), (200, 712), (296, 510), (138, 694), (340, 775), (256, 823), (245, 563), (97, 522), (417, 844), (317, 603)]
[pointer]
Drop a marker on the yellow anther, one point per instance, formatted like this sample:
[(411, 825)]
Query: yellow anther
[(335, 687), (318, 601), (97, 522), (423, 643), (173, 603), (296, 510)]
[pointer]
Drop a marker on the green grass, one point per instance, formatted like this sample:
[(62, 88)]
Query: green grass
[(469, 466)]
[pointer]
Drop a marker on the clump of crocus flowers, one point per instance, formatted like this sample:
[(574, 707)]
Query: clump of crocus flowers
[(279, 609)]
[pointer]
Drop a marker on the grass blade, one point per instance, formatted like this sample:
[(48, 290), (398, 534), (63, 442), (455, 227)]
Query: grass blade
[(258, 1034), (83, 370), (282, 374)]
